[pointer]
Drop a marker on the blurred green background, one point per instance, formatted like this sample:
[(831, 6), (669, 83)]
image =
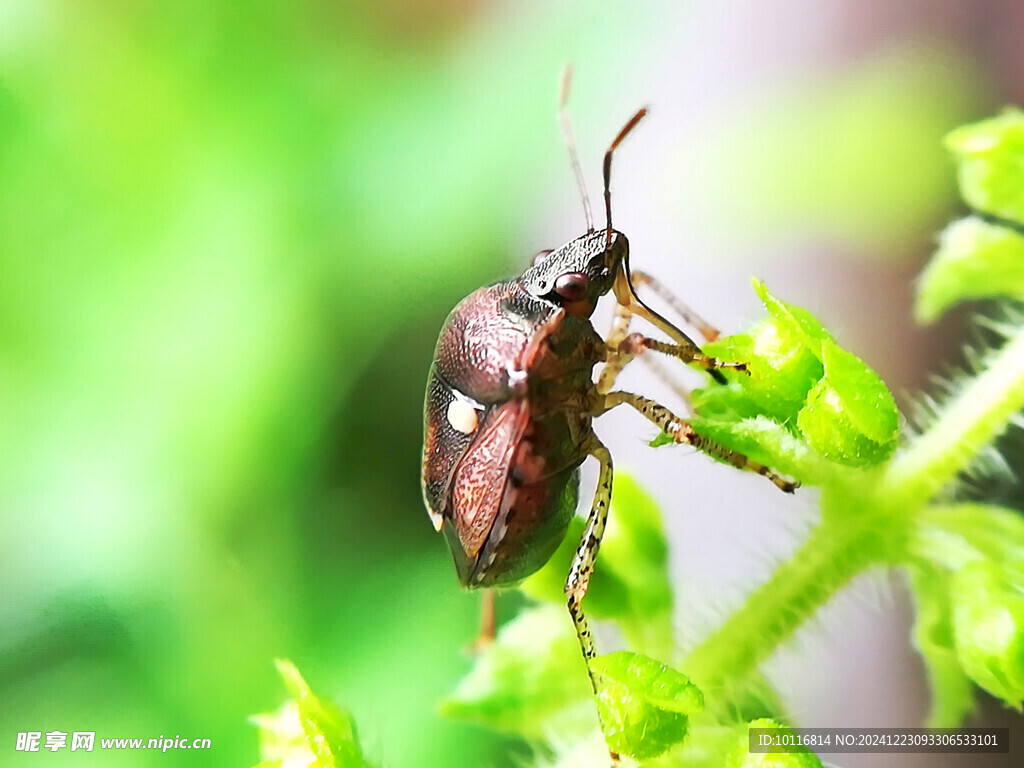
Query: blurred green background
[(229, 234)]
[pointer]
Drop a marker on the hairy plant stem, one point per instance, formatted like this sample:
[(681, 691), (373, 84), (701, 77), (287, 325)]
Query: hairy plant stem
[(863, 522), (969, 421), (838, 549)]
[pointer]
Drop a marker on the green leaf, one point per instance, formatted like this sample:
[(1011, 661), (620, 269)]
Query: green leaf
[(954, 536), (952, 696), (804, 391), (975, 260), (661, 439), (644, 704), (988, 628), (308, 731), (531, 681), (796, 320), (850, 415), (968, 582), (740, 755), (767, 442), (990, 160), (781, 370)]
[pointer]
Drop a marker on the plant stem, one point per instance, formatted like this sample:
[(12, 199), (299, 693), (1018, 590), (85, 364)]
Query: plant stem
[(969, 421), (836, 551), (856, 534)]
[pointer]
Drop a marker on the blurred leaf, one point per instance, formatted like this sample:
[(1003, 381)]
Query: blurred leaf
[(990, 160), (740, 755), (755, 697), (644, 704), (308, 731), (956, 535), (952, 696), (531, 681), (976, 259), (967, 584), (988, 627), (635, 552), (706, 745), (584, 753), (283, 742), (607, 596)]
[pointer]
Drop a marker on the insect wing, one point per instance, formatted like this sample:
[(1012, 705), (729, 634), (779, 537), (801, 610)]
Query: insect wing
[(478, 487), (480, 364)]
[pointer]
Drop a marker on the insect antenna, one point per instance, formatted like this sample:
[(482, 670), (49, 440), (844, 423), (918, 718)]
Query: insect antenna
[(570, 143), (649, 313), (608, 169)]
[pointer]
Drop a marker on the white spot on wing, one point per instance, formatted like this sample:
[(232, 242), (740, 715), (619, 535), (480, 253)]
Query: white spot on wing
[(462, 413), (462, 416)]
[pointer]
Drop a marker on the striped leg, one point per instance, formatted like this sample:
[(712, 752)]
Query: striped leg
[(680, 431), (636, 344), (583, 563), (623, 348), (626, 297)]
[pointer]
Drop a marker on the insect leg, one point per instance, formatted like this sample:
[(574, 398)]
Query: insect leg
[(583, 563), (681, 432), (684, 348), (623, 347), (619, 356), (488, 619), (691, 318), (626, 296), (616, 359), (639, 344), (636, 344), (669, 380)]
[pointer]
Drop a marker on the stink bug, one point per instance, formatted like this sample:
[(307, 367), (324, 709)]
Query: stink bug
[(511, 398)]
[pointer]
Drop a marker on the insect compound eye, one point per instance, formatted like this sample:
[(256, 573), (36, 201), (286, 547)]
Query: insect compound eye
[(540, 257), (572, 286)]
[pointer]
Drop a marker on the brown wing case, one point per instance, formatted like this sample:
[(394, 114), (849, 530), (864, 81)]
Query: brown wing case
[(479, 359)]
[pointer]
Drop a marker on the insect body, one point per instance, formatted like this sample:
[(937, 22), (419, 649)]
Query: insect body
[(510, 402), (508, 417)]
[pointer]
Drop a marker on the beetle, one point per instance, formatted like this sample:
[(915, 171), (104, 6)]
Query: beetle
[(511, 398)]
